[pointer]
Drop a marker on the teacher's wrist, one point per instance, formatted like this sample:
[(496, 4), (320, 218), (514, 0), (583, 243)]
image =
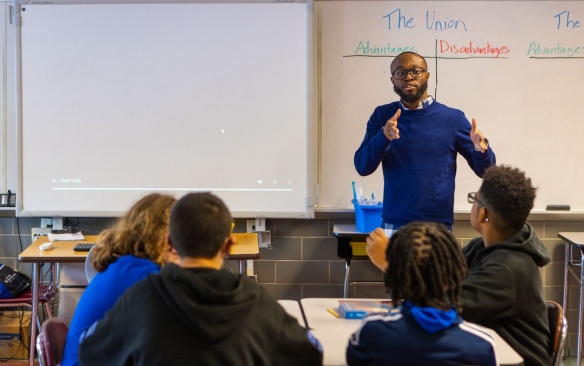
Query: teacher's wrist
[(484, 145)]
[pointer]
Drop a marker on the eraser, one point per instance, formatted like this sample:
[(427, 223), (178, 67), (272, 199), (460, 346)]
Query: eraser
[(557, 208)]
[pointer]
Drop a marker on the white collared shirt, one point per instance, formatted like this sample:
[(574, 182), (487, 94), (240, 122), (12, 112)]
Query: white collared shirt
[(423, 103)]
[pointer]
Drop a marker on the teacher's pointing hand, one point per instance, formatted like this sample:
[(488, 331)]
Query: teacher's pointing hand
[(480, 142), (390, 129)]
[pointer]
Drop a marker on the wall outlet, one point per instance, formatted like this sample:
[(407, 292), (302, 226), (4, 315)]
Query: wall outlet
[(37, 231), (250, 226)]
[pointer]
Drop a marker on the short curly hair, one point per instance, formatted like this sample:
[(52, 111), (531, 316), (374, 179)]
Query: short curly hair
[(509, 195)]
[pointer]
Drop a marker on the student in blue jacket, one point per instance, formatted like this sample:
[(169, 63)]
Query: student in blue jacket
[(126, 253), (424, 276), (417, 140)]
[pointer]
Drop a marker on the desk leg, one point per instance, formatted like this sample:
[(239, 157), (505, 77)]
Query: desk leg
[(34, 311), (243, 267), (567, 260), (346, 284), (580, 310)]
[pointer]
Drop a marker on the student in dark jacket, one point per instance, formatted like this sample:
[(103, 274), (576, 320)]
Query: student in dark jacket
[(503, 290), (196, 312), (424, 277)]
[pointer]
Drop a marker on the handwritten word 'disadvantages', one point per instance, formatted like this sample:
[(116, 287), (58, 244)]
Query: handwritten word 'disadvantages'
[(472, 49)]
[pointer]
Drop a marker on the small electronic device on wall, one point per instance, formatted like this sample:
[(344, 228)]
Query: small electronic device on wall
[(8, 199)]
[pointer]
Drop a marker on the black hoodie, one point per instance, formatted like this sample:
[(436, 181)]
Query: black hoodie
[(198, 317), (503, 291)]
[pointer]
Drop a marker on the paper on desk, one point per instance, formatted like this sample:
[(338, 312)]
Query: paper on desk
[(67, 236)]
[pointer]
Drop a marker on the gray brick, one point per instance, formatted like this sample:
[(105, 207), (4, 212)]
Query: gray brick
[(284, 291), (314, 272), (319, 248), (283, 249), (371, 291), (331, 291), (301, 227), (266, 271)]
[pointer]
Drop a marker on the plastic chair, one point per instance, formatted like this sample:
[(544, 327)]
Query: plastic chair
[(558, 329), (46, 294), (90, 271), (50, 342)]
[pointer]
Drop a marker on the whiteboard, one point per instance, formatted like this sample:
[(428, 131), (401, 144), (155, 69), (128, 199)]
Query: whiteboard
[(515, 66), (119, 100)]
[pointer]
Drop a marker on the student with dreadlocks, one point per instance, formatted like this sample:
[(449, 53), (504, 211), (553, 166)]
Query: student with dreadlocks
[(503, 290), (424, 277)]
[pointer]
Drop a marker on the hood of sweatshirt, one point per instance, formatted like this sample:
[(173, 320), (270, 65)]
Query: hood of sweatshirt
[(212, 302), (525, 241)]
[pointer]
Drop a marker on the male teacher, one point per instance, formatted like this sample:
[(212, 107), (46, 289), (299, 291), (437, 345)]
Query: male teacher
[(416, 140)]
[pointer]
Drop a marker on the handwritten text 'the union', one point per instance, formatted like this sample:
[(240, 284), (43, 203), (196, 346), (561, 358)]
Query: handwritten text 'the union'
[(433, 22)]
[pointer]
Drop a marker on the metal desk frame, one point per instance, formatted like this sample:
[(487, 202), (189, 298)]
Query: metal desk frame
[(574, 240), (345, 234)]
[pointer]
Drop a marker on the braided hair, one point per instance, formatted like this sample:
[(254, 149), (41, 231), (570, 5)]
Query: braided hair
[(426, 266)]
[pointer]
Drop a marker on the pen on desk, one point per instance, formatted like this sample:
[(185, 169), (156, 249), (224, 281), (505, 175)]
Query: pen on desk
[(334, 312)]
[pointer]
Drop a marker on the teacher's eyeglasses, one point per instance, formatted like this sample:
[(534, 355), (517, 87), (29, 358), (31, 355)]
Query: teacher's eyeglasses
[(472, 198), (416, 72)]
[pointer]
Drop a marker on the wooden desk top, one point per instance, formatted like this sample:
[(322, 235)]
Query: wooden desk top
[(62, 251), (573, 238), (245, 247)]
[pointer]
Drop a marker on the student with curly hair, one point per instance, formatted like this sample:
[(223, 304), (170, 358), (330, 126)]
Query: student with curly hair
[(503, 290), (424, 276), (134, 247)]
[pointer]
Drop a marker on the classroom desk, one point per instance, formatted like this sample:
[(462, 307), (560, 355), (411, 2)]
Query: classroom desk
[(62, 252), (293, 308), (574, 240), (246, 247), (347, 234), (334, 333)]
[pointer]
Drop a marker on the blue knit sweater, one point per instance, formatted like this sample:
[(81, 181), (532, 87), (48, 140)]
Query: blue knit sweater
[(419, 168)]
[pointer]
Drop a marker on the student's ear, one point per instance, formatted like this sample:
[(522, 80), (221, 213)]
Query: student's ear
[(227, 244), (483, 215), (170, 253)]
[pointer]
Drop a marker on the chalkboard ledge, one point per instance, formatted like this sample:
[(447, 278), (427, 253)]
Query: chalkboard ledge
[(536, 215)]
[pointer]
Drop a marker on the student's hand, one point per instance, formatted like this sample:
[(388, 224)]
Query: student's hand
[(477, 137), (390, 129), (377, 243)]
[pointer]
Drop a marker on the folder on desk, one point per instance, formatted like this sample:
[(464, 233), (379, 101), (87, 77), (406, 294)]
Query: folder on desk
[(357, 309), (66, 236), (358, 248)]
